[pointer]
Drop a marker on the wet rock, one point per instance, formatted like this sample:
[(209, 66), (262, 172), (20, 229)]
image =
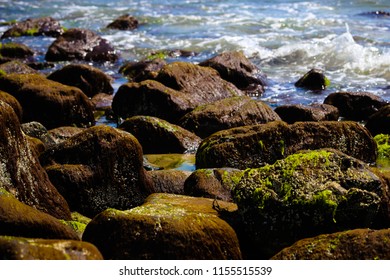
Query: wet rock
[(239, 70), (15, 50), (37, 130), (10, 100), (313, 80), (168, 181), (60, 134), (98, 168), (89, 79), (306, 194), (379, 122), (35, 27), (166, 226), (124, 22), (357, 244), (355, 105), (223, 114), (17, 67), (19, 219), (212, 183), (81, 44), (171, 161), (157, 136), (383, 143), (78, 223), (48, 102), (257, 145), (178, 89), (314, 112), (20, 172), (16, 248), (142, 70)]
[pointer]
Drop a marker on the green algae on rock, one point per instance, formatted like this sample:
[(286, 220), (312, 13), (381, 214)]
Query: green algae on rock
[(383, 142)]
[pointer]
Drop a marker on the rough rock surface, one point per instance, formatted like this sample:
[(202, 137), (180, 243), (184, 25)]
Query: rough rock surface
[(142, 70), (315, 112), (34, 27), (15, 50), (17, 67), (168, 181), (13, 102), (166, 226), (124, 22), (379, 122)]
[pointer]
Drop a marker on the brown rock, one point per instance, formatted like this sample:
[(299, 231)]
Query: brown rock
[(169, 181), (315, 112), (379, 122), (13, 102), (34, 27), (124, 22)]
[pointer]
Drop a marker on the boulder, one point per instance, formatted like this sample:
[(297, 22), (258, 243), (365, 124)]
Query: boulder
[(15, 50), (19, 219), (124, 22), (166, 226), (356, 244), (17, 67), (168, 181), (81, 44), (37, 130), (35, 27), (257, 145), (142, 70), (157, 136), (314, 112), (60, 134), (16, 248), (223, 114), (21, 173), (355, 105), (178, 88), (89, 79), (13, 102), (48, 102), (383, 143), (98, 168), (236, 68), (313, 80), (306, 194), (379, 122)]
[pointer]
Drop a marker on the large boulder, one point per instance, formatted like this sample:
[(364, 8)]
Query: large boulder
[(142, 70), (16, 67), (168, 181), (257, 145), (35, 27), (314, 112), (19, 219), (355, 105), (81, 44), (357, 244), (157, 136), (21, 173), (89, 79), (50, 103), (98, 168), (13, 102), (178, 88), (166, 226), (16, 248), (223, 114), (236, 68), (379, 122), (306, 194)]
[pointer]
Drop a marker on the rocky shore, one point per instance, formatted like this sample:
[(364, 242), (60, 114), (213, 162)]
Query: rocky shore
[(294, 182)]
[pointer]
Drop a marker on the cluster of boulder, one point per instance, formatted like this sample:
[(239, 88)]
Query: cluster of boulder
[(294, 182)]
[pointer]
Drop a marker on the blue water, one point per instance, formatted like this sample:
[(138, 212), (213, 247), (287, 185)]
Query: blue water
[(283, 38)]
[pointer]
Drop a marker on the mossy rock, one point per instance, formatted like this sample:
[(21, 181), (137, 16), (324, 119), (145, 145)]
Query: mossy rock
[(357, 244), (15, 50), (258, 145), (142, 70), (379, 122), (166, 226), (34, 27), (16, 248), (306, 194), (314, 112), (168, 181), (383, 142), (13, 102), (313, 80), (124, 22), (78, 223), (17, 67)]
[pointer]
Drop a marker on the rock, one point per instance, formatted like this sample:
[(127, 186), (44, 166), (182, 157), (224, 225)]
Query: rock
[(37, 130), (178, 89), (102, 102), (48, 102), (170, 161), (357, 244), (15, 50), (166, 226), (16, 248), (313, 80), (98, 168), (168, 181), (376, 14), (355, 105), (81, 44), (19, 219), (379, 122), (20, 172), (306, 194), (223, 114), (10, 100), (124, 22), (89, 79), (257, 145), (157, 136), (60, 134), (383, 143), (35, 27), (314, 112), (17, 67), (78, 223), (239, 70), (142, 70), (212, 183)]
